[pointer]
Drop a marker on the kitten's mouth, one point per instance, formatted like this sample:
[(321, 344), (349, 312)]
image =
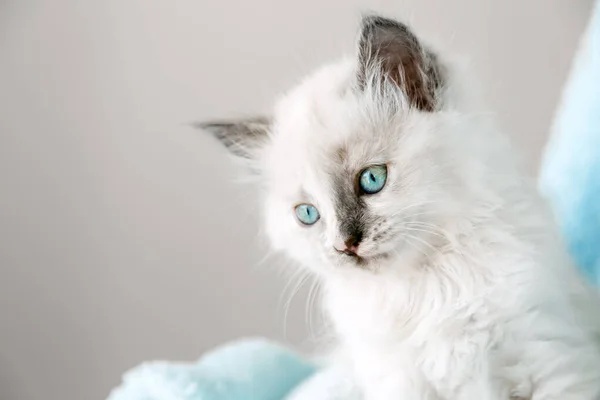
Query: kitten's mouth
[(360, 260)]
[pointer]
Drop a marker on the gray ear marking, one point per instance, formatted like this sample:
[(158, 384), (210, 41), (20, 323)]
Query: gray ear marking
[(241, 137), (389, 51)]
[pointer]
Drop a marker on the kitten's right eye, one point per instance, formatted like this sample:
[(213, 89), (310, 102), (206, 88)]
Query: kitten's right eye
[(372, 179), (307, 214)]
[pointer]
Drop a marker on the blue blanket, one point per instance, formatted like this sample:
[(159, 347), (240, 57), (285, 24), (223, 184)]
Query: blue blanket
[(250, 369), (570, 175)]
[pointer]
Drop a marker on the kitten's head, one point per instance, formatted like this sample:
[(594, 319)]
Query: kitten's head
[(353, 161)]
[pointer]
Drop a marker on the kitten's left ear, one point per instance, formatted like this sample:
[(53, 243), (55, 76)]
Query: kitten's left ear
[(389, 52), (243, 138)]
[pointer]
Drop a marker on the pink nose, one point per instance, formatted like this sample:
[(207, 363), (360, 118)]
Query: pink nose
[(350, 246)]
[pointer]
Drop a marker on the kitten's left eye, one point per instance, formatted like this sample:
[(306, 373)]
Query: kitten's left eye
[(307, 214), (372, 179)]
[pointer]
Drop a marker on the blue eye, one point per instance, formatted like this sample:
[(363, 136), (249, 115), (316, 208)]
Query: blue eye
[(372, 179), (307, 214)]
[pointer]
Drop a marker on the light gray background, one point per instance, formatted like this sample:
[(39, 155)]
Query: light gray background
[(122, 237)]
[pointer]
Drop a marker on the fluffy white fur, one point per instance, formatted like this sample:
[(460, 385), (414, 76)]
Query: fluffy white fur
[(469, 295)]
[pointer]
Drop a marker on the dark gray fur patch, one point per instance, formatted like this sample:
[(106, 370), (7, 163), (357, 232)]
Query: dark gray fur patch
[(350, 209)]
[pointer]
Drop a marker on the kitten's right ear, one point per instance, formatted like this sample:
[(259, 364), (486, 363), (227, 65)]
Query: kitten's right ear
[(243, 138)]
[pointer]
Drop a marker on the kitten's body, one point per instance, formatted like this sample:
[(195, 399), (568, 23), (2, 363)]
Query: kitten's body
[(461, 289)]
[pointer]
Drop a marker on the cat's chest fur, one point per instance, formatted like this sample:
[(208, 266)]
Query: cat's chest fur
[(373, 311), (434, 333)]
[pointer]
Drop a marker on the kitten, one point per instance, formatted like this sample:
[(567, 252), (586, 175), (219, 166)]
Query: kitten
[(443, 273)]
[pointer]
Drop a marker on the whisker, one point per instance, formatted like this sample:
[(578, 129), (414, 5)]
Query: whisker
[(426, 244), (429, 225), (419, 204), (414, 246), (300, 277), (436, 251), (310, 303), (425, 231)]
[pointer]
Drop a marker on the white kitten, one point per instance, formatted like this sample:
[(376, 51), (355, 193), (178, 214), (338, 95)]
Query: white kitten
[(442, 270)]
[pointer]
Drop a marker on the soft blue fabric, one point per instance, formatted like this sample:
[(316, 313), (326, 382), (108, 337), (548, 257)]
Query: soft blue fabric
[(570, 175), (244, 370)]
